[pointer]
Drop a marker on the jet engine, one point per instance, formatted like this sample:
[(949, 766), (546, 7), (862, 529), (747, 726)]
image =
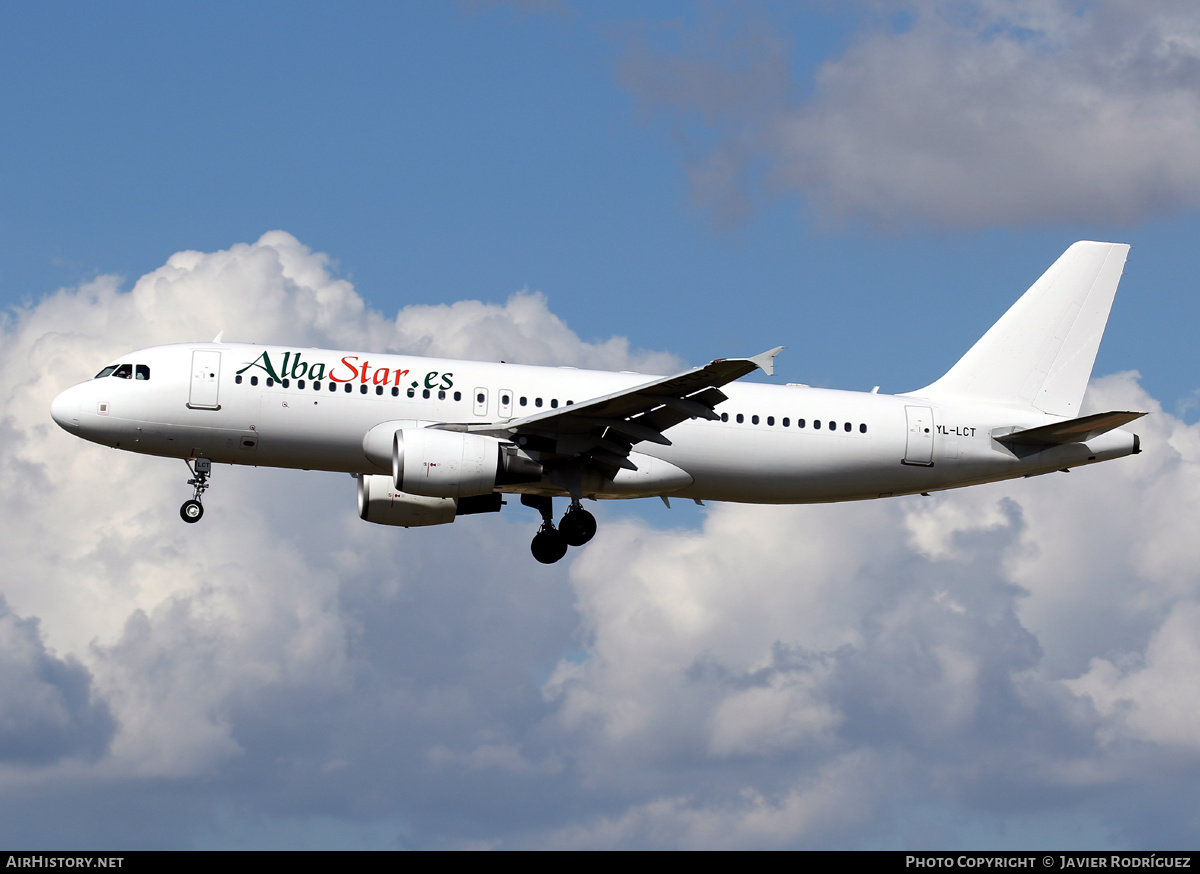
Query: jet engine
[(380, 502), (454, 464)]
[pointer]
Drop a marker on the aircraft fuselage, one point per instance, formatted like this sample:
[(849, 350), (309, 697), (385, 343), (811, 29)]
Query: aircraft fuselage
[(261, 406)]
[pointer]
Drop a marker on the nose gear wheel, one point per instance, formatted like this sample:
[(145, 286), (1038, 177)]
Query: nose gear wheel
[(192, 510)]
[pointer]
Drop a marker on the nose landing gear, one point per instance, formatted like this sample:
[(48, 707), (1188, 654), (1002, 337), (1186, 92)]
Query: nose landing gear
[(192, 510), (550, 544)]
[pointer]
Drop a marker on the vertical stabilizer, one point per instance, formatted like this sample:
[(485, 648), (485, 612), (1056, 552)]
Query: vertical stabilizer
[(1040, 354)]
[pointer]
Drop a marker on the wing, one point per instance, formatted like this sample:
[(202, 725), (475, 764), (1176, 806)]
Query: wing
[(605, 429)]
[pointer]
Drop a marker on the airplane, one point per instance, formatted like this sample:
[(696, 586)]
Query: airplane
[(430, 439)]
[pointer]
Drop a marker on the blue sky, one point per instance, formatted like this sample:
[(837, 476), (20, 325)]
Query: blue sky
[(441, 152), (870, 184)]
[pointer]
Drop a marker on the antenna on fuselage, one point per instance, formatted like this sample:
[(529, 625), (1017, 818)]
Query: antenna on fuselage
[(217, 339)]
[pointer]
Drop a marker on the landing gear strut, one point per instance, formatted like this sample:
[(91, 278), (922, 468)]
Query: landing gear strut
[(548, 544), (192, 510), (578, 526)]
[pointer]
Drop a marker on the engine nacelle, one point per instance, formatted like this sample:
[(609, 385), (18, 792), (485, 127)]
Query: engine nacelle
[(379, 501), (444, 464)]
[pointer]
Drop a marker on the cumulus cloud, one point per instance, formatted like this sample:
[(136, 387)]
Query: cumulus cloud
[(993, 651), (200, 640), (46, 707), (946, 113), (780, 676)]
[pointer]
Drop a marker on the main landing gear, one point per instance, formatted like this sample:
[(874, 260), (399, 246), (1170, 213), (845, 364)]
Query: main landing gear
[(192, 510), (577, 527)]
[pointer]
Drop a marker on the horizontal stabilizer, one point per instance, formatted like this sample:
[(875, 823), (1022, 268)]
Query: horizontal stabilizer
[(1071, 431)]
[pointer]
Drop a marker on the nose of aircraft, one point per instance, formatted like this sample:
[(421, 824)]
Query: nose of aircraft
[(65, 409)]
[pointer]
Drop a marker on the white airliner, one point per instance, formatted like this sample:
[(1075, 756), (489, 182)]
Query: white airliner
[(432, 439)]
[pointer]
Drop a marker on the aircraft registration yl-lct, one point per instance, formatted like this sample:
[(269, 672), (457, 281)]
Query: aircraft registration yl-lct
[(431, 439)]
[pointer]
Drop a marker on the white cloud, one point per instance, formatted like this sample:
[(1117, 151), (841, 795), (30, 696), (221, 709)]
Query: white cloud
[(183, 632), (1150, 699), (969, 114), (46, 707), (784, 676), (997, 640)]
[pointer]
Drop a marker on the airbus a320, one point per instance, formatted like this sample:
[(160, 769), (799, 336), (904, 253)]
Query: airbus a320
[(430, 440)]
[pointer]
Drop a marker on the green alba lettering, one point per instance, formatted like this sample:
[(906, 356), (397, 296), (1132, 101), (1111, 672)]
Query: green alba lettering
[(265, 365)]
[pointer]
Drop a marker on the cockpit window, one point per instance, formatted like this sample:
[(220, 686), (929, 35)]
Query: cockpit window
[(141, 371), (125, 371), (106, 372)]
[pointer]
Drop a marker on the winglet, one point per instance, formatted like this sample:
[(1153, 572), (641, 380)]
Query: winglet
[(766, 360)]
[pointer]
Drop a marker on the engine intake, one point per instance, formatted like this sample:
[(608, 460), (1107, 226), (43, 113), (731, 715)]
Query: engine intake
[(444, 464)]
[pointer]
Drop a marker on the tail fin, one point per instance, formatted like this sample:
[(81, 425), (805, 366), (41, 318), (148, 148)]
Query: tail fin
[(1040, 354)]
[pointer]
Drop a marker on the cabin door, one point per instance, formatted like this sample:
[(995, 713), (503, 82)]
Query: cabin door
[(919, 447), (206, 375)]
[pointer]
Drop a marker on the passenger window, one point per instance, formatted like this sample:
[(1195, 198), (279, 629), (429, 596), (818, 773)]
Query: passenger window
[(800, 423), (441, 395), (786, 421), (817, 424), (125, 371), (457, 395), (554, 403), (724, 417), (254, 380), (846, 427), (480, 398), (862, 429), (349, 388), (754, 420), (524, 401), (425, 393), (537, 402), (770, 420), (270, 382), (395, 392), (299, 383), (333, 386), (412, 393), (316, 385), (108, 371), (238, 379), (740, 418), (833, 426), (141, 371), (285, 383), (378, 389)]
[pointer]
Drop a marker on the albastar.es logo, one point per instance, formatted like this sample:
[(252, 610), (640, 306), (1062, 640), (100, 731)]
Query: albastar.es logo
[(293, 366)]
